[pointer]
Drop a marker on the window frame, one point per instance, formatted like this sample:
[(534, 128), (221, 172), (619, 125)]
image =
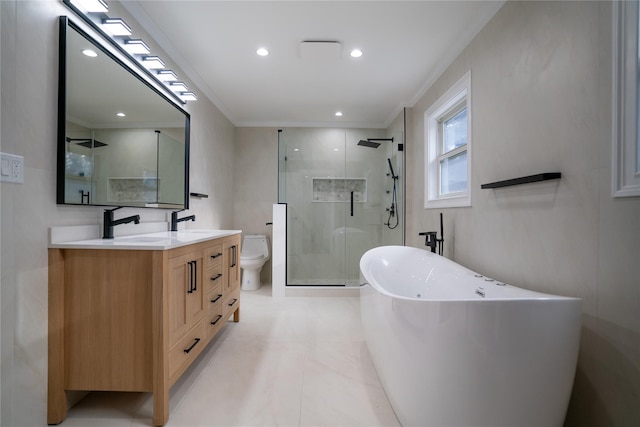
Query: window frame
[(446, 155), (625, 143), (447, 106)]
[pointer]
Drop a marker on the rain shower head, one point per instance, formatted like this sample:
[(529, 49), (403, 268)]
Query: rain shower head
[(87, 142), (370, 142)]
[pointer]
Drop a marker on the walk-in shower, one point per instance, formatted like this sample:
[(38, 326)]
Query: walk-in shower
[(342, 199)]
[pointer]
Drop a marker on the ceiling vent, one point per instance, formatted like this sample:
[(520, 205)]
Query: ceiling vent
[(321, 50)]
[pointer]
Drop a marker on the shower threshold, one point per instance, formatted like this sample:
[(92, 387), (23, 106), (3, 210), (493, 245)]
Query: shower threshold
[(323, 282)]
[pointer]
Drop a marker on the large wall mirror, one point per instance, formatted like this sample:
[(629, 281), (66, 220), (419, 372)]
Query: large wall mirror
[(121, 142)]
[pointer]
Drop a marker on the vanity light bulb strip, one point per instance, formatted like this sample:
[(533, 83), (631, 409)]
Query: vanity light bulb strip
[(167, 76), (188, 96), (117, 32), (116, 27), (136, 46), (178, 87), (92, 6)]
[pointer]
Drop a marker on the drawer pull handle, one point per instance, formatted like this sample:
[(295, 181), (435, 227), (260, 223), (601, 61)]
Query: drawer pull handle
[(217, 319), (213, 279), (216, 298), (195, 276), (190, 264), (216, 255), (187, 350), (233, 302)]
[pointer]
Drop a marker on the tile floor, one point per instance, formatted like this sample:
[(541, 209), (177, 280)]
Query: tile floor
[(295, 361)]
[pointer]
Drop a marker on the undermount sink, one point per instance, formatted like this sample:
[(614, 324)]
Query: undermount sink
[(149, 236), (142, 239)]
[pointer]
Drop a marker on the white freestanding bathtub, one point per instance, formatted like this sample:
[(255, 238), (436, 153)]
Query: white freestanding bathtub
[(453, 348)]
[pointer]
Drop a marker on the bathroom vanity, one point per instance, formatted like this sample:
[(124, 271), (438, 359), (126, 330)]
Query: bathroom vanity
[(132, 313)]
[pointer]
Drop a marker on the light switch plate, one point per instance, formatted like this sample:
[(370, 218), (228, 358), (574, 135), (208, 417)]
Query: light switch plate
[(12, 168)]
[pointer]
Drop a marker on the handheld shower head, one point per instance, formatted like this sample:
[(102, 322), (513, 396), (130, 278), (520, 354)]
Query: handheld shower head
[(393, 175)]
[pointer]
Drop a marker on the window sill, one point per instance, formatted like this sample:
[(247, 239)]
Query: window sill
[(448, 202)]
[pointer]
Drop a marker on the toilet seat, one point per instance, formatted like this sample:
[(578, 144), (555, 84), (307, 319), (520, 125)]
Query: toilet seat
[(251, 256)]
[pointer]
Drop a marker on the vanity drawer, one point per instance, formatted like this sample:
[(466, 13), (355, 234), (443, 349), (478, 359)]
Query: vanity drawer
[(213, 321), (187, 349), (213, 278), (213, 256), (215, 296), (231, 303)]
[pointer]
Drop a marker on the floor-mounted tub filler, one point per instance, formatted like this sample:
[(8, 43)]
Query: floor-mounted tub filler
[(453, 348)]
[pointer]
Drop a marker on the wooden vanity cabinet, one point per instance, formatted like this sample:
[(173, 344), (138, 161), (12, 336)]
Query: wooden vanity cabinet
[(134, 320)]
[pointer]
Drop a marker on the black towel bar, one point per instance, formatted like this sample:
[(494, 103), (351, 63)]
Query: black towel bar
[(523, 180)]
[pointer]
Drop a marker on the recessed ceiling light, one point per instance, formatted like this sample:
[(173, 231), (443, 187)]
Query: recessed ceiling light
[(262, 52), (90, 53), (296, 149), (116, 27), (356, 53), (338, 113), (121, 114), (336, 149)]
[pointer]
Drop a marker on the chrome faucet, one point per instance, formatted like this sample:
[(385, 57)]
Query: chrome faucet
[(109, 222), (175, 220)]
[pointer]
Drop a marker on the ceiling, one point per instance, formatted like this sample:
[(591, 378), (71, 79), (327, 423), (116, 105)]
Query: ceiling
[(406, 45)]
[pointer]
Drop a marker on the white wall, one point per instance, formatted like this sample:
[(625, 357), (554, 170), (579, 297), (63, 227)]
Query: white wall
[(255, 183), (29, 37), (541, 93)]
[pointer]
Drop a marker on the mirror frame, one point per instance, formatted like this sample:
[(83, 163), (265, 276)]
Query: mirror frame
[(65, 23)]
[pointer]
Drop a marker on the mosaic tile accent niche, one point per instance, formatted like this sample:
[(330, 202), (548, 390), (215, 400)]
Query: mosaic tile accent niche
[(339, 189), (133, 189)]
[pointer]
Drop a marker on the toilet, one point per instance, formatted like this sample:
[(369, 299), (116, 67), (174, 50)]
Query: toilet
[(255, 252)]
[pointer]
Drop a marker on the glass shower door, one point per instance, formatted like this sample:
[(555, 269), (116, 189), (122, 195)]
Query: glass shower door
[(312, 172), (338, 197)]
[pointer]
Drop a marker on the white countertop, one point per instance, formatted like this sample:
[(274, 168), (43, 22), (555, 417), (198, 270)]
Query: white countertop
[(157, 241)]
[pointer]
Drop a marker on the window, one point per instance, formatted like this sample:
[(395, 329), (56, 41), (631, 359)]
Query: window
[(448, 148), (626, 142)]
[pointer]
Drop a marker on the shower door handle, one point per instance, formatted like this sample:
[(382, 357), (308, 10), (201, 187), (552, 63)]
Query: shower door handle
[(352, 203)]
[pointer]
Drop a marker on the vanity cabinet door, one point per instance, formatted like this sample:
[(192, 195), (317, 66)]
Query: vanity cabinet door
[(186, 294), (231, 261)]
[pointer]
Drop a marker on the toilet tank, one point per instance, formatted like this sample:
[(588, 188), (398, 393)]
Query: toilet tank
[(254, 246)]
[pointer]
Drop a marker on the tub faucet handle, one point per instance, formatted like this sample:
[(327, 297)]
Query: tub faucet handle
[(431, 239)]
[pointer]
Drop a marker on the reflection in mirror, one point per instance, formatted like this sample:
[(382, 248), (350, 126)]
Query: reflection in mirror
[(121, 142)]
